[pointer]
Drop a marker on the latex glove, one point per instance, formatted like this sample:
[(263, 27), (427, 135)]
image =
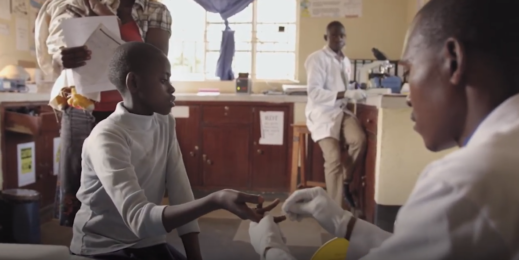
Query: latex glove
[(266, 234), (355, 94), (316, 203)]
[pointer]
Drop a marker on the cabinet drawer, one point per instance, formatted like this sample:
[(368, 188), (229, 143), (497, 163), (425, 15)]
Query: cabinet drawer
[(223, 114), (368, 117), (31, 124)]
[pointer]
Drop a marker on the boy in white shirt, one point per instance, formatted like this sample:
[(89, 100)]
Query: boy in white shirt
[(130, 159)]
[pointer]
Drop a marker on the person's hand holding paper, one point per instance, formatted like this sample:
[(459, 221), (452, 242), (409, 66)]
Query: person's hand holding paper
[(93, 40)]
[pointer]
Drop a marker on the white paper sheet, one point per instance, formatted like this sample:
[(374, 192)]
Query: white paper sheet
[(5, 9), (4, 29), (26, 164), (271, 125), (352, 8), (325, 8), (22, 33), (56, 148), (93, 77), (77, 31), (180, 112), (332, 8)]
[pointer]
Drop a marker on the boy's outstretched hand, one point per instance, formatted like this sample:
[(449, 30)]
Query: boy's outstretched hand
[(236, 203)]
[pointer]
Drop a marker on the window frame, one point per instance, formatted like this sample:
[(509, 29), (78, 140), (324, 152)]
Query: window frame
[(254, 42)]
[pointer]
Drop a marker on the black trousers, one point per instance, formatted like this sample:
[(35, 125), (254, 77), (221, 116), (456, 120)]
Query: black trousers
[(76, 125), (157, 252)]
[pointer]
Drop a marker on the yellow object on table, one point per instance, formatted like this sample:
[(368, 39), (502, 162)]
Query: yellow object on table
[(334, 249)]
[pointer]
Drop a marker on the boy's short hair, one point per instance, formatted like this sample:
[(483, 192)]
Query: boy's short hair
[(136, 57)]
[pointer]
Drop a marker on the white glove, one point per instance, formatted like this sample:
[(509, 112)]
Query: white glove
[(355, 94), (266, 234), (316, 203)]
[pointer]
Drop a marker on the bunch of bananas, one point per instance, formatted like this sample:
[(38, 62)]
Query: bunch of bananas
[(70, 97)]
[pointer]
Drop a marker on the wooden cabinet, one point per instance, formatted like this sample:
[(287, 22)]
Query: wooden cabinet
[(188, 135), (220, 146), (36, 124), (225, 156), (368, 118), (269, 162)]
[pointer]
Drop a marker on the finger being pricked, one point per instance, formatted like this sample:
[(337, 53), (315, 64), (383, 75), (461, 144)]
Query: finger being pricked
[(279, 219), (261, 210)]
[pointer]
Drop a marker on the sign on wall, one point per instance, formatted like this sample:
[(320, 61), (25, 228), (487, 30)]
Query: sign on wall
[(331, 8), (26, 164)]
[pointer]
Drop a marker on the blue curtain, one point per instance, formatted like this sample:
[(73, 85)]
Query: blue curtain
[(226, 9)]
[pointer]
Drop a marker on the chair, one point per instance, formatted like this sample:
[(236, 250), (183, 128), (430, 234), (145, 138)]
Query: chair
[(299, 149)]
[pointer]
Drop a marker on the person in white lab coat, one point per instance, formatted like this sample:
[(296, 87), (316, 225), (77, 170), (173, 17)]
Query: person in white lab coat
[(462, 59), (329, 72)]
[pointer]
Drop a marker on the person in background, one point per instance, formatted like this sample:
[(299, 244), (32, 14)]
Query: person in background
[(130, 159), (462, 60), (329, 73), (140, 21)]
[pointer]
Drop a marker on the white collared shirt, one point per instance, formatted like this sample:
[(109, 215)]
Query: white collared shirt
[(464, 206)]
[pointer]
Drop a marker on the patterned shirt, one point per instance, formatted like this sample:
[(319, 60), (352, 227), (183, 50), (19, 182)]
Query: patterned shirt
[(49, 35), (151, 14)]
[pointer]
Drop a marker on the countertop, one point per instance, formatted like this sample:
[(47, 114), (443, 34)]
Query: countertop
[(375, 98)]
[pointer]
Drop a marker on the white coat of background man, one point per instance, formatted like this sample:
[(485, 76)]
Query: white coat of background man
[(462, 59), (328, 75)]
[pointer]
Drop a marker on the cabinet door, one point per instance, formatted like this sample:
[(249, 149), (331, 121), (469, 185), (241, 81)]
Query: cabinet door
[(269, 162), (45, 166), (368, 182), (225, 156), (188, 135)]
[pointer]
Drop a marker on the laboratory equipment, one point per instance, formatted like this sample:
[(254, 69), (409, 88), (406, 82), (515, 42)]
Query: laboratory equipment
[(243, 84), (295, 89), (14, 78), (367, 73)]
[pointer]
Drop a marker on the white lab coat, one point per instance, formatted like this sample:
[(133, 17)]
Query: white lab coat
[(464, 206), (324, 112)]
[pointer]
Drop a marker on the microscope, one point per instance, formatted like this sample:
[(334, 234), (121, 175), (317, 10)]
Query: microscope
[(367, 72)]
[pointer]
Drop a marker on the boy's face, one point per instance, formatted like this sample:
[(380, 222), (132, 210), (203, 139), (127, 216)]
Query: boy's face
[(154, 90)]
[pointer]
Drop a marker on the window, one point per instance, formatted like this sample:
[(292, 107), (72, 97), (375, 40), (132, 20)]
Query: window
[(265, 36)]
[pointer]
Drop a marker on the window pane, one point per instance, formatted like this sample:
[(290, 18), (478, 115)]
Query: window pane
[(242, 36), (241, 63), (270, 39), (276, 11), (187, 60), (186, 46), (275, 65), (244, 16)]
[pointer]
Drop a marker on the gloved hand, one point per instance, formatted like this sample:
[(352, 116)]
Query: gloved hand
[(316, 203), (355, 94), (266, 234)]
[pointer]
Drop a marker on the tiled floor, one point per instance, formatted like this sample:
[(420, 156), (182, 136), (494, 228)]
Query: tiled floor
[(225, 237)]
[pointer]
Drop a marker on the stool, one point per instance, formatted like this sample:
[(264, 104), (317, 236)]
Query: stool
[(300, 135)]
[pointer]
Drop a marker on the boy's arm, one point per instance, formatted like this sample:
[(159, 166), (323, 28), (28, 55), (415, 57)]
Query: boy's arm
[(179, 192), (109, 155)]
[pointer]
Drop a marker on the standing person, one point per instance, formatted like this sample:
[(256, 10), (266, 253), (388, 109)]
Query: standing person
[(329, 72), (462, 60), (141, 21)]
